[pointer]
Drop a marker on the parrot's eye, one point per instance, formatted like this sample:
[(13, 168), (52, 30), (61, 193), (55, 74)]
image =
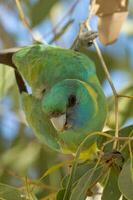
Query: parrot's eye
[(71, 100)]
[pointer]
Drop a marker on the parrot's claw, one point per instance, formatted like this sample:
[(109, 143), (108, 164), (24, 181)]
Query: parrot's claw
[(84, 39)]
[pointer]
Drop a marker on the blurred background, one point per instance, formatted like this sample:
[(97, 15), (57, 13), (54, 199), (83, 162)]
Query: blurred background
[(56, 22)]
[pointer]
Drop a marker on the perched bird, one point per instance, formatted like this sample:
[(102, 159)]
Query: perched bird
[(67, 102)]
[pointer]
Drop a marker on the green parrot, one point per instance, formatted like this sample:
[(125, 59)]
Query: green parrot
[(67, 102)]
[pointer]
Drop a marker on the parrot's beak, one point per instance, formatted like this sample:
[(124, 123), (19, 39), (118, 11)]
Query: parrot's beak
[(59, 122)]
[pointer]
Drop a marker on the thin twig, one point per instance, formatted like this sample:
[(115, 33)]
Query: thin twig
[(130, 150), (25, 22), (87, 25), (104, 66), (30, 195), (127, 139), (106, 143), (123, 138), (27, 187), (125, 96), (116, 121), (126, 143)]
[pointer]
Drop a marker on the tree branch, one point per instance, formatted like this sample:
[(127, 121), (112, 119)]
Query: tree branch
[(25, 22), (6, 59), (6, 56)]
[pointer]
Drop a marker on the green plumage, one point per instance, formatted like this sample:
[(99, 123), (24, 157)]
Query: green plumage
[(63, 82)]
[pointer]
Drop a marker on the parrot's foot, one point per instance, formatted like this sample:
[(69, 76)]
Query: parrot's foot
[(84, 39)]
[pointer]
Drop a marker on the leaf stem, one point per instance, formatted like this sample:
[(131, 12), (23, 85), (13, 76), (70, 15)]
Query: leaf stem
[(116, 121)]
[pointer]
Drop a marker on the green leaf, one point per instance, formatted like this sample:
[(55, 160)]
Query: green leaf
[(8, 192), (60, 194), (64, 181), (70, 180), (125, 180), (40, 10), (7, 79), (85, 182), (87, 142), (55, 168), (111, 190), (82, 168)]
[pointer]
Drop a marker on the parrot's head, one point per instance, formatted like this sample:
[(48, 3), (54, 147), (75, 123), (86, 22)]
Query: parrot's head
[(72, 107), (69, 105)]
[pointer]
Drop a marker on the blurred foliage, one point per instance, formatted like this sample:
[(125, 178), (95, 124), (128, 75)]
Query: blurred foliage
[(125, 108), (40, 10), (23, 160), (6, 74)]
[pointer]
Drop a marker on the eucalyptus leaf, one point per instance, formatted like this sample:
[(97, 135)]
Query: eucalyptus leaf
[(125, 180), (85, 143), (60, 194), (111, 190), (7, 79), (85, 182), (40, 10), (8, 192), (82, 168), (55, 168)]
